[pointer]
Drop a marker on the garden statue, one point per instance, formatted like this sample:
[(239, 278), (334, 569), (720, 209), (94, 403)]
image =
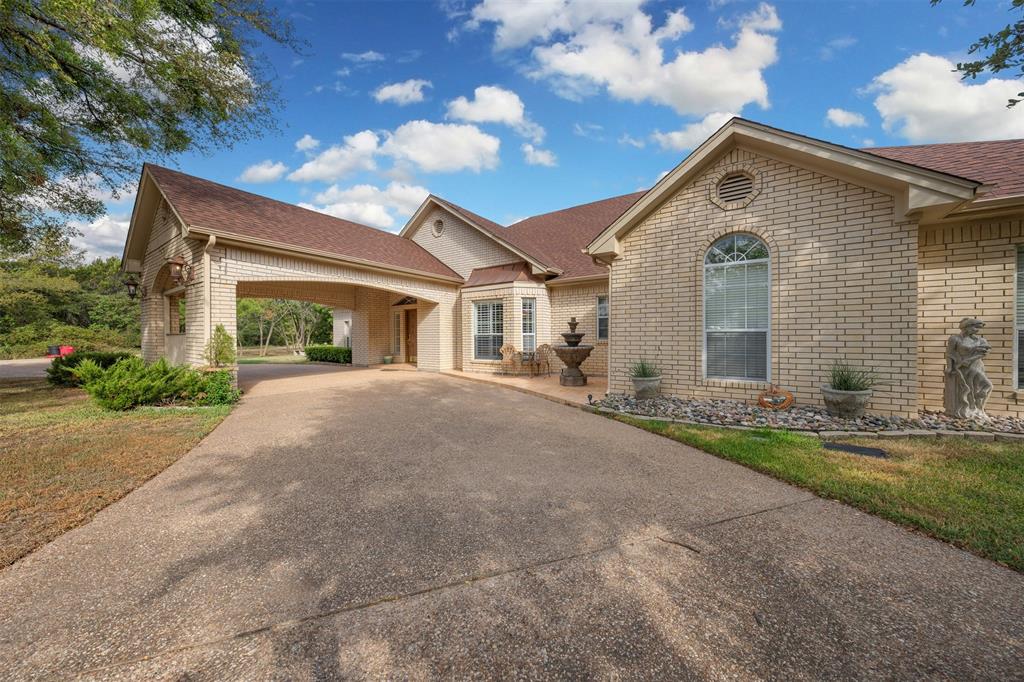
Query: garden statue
[(967, 387)]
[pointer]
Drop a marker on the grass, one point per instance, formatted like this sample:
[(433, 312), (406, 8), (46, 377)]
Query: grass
[(62, 458), (966, 492)]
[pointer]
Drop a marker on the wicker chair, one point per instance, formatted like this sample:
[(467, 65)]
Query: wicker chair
[(542, 358), (510, 359)]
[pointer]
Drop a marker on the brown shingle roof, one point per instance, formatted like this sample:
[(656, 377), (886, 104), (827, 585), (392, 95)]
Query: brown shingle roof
[(999, 163), (205, 204), (519, 271), (562, 235)]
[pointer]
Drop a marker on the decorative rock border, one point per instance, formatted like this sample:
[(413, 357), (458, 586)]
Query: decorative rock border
[(1012, 430)]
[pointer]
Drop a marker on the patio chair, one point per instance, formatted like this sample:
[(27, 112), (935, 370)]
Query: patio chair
[(542, 358), (510, 359)]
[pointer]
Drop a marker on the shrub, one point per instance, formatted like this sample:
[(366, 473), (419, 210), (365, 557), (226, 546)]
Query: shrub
[(87, 371), (217, 389), (643, 369), (220, 350), (130, 383), (32, 341), (843, 377), (61, 371), (329, 354)]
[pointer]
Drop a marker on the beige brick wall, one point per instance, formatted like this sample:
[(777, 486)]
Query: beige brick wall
[(460, 246), (580, 300), (844, 285), (969, 270)]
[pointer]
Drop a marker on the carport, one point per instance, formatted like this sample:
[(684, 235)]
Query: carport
[(209, 244)]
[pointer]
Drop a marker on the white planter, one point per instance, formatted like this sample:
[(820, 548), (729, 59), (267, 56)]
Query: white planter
[(646, 387), (845, 404)]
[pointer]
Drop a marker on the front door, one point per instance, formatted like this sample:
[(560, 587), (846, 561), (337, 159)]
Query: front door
[(411, 319)]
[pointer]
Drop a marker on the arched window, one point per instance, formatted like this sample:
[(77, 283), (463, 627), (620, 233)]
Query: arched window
[(737, 309)]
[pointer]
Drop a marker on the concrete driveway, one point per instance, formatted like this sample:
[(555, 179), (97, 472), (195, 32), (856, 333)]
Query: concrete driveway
[(347, 523)]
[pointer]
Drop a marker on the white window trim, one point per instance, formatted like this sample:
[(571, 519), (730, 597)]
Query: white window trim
[(597, 316), (704, 321), (475, 330), (522, 323)]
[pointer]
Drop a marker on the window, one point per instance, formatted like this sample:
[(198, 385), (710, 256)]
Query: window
[(529, 325), (1019, 317), (602, 318), (736, 309), (487, 330), (397, 345)]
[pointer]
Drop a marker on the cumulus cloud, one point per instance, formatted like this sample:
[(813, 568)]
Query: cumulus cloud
[(583, 47), (442, 147), (355, 153), (923, 100), (841, 118), (103, 237), (538, 157), (693, 134), (492, 104), (363, 57), (264, 171), (406, 92), (369, 204), (306, 143)]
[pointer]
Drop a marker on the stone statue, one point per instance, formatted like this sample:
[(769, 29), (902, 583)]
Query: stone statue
[(967, 387)]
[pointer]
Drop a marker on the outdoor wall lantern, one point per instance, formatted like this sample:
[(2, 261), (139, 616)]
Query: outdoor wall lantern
[(133, 286), (180, 271)]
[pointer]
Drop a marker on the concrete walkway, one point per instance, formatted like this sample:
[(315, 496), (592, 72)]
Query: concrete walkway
[(364, 523), (34, 368)]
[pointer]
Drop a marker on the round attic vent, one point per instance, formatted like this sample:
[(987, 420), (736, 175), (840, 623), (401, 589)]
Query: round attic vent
[(438, 228), (735, 187)]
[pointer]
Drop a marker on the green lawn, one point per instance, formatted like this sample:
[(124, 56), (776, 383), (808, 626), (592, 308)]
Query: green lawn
[(62, 458), (969, 493)]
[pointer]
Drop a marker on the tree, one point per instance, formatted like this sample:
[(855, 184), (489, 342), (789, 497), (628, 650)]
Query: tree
[(1000, 51), (90, 89)]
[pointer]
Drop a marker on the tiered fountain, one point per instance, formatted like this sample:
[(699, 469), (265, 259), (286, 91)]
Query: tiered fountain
[(572, 354)]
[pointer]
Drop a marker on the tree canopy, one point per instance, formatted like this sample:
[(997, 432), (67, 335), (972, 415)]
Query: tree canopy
[(1000, 50), (90, 88)]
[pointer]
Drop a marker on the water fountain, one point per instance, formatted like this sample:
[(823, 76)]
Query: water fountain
[(572, 354)]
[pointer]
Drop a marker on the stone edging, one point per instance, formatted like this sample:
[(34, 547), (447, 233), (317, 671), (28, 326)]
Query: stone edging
[(829, 435)]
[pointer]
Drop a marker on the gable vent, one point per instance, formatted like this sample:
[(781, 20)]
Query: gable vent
[(735, 187)]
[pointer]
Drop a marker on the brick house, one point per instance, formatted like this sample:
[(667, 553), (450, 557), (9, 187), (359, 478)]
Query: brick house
[(764, 257)]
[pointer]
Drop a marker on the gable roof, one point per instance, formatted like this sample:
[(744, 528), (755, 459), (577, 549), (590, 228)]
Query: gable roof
[(997, 163), (501, 274), (208, 207), (563, 235), (915, 188)]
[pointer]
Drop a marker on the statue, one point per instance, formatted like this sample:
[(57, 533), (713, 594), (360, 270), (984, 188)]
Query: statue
[(967, 387)]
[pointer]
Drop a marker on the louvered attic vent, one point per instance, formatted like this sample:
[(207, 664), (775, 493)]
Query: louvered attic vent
[(735, 187)]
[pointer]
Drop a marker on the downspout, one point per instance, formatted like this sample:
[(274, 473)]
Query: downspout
[(208, 290)]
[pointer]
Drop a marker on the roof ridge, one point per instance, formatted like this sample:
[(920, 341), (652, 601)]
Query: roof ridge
[(576, 206)]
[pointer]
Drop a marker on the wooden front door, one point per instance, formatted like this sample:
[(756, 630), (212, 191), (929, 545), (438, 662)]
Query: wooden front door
[(411, 320)]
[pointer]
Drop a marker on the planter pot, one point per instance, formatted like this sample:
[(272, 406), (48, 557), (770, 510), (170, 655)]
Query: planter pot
[(388, 359), (845, 404), (646, 387)]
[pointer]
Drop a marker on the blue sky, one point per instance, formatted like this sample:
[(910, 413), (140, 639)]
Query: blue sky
[(518, 108)]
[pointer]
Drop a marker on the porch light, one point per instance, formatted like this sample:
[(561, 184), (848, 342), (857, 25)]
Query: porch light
[(132, 285), (180, 271)]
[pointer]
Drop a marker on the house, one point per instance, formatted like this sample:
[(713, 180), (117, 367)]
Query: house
[(763, 258)]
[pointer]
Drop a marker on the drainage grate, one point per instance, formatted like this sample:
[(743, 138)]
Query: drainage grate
[(857, 450)]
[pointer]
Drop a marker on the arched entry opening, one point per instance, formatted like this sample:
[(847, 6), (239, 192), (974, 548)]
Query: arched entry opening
[(171, 288)]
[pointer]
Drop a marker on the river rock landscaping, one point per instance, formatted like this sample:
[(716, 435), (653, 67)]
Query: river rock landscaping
[(799, 417)]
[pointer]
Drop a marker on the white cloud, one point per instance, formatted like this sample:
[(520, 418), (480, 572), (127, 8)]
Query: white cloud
[(538, 157), (693, 134), (103, 237), (354, 154), (306, 143), (841, 118), (406, 92), (923, 100), (492, 104), (628, 139), (363, 57), (443, 147), (369, 204), (868, 142), (264, 171), (585, 47), (829, 49), (592, 131), (96, 188)]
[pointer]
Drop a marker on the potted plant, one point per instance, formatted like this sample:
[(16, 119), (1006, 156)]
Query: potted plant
[(646, 379), (848, 390)]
